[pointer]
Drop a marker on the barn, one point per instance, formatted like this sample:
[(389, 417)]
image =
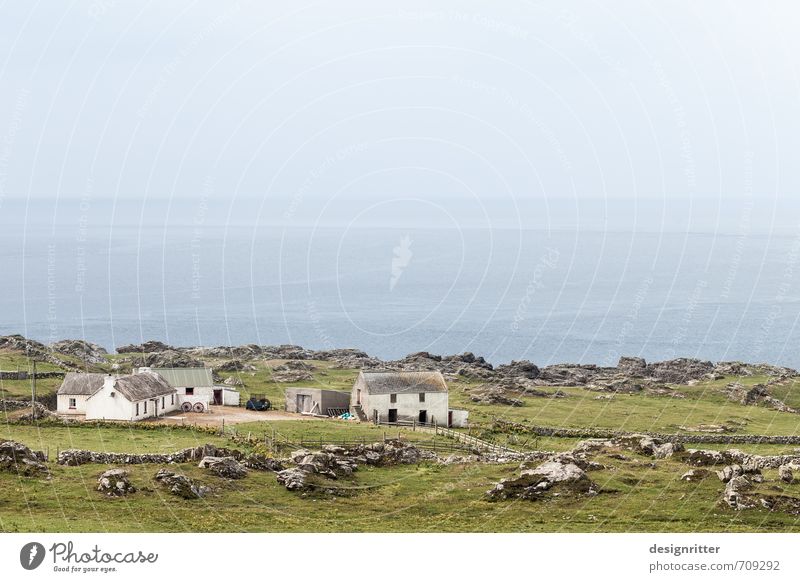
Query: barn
[(404, 396), (317, 401), (75, 390), (133, 397), (197, 385)]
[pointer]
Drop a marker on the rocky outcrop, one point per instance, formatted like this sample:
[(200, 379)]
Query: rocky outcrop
[(166, 359), (755, 395), (521, 369), (554, 477), (86, 352), (115, 483), (315, 469), (489, 394), (145, 348), (180, 485), (287, 376), (17, 458), (225, 467), (633, 367), (295, 365), (235, 366), (640, 444), (679, 371)]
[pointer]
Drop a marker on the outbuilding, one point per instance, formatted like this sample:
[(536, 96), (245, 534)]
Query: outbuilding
[(197, 385), (317, 401)]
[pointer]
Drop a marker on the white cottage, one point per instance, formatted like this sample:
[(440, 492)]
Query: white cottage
[(404, 396), (197, 385), (75, 390), (134, 397)]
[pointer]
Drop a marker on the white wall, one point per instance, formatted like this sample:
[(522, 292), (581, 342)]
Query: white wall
[(103, 406), (408, 406), (460, 418), (62, 405)]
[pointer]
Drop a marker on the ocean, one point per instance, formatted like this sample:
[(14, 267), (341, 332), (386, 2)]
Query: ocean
[(554, 294)]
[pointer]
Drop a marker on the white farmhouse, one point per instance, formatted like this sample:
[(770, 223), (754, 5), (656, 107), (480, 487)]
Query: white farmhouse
[(197, 385), (404, 396), (75, 390), (134, 397)]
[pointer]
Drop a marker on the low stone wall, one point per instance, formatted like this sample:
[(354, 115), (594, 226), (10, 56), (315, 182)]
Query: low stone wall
[(74, 457), (22, 375), (598, 433), (8, 404)]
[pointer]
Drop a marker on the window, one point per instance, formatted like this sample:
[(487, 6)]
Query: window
[(172, 399), (163, 402), (137, 409), (422, 397), (72, 403), (190, 392), (145, 406), (393, 398)]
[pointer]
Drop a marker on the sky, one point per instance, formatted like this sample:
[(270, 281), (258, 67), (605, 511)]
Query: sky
[(516, 114)]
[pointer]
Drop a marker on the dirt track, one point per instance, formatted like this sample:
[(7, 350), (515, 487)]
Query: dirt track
[(231, 415)]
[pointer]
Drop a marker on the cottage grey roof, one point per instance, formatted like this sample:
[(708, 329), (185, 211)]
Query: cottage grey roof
[(404, 382), (142, 386), (186, 377), (81, 384)]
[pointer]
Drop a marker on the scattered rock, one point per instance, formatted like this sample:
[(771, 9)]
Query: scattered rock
[(549, 478), (181, 485), (734, 494), (233, 381), (695, 475), (226, 467), (731, 471), (17, 458), (115, 483), (755, 395), (786, 472)]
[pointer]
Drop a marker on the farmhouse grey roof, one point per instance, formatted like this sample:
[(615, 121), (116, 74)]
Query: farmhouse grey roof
[(142, 386), (404, 382), (81, 384), (186, 377)]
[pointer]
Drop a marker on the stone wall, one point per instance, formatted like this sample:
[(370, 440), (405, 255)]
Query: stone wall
[(23, 375), (598, 433)]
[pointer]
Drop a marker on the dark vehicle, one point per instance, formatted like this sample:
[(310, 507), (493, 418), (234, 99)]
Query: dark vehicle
[(258, 404)]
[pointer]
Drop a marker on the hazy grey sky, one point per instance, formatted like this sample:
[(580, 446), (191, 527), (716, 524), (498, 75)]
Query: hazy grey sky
[(314, 104)]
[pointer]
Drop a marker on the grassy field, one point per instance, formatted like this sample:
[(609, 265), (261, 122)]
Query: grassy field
[(636, 494), (416, 498)]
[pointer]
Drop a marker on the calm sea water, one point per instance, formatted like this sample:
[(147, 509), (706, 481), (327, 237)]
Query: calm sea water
[(547, 295)]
